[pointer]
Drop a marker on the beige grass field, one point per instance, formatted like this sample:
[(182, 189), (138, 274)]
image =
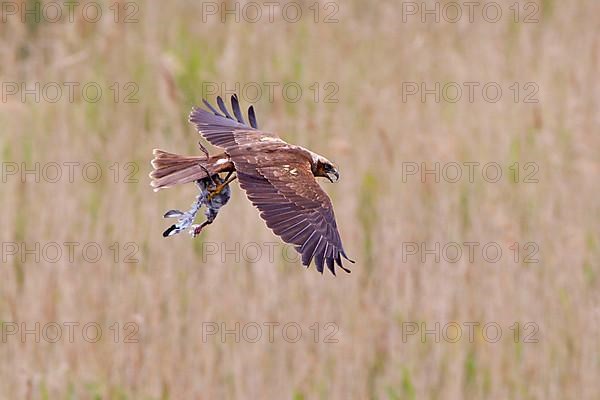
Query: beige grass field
[(232, 314)]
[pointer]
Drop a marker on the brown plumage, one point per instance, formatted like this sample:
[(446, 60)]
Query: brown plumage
[(172, 169), (278, 178)]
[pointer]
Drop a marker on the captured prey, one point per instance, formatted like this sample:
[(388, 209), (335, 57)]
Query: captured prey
[(214, 194)]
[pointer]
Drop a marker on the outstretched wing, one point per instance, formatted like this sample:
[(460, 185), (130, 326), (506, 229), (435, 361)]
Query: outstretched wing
[(279, 182), (223, 130)]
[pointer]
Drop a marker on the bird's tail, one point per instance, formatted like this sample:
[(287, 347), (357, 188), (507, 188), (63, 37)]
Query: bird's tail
[(171, 169)]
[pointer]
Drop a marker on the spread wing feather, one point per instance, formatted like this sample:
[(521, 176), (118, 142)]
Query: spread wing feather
[(222, 130), (252, 118), (235, 104), (221, 104), (293, 205)]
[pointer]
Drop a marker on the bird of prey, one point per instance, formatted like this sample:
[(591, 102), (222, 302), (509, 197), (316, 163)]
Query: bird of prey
[(278, 178)]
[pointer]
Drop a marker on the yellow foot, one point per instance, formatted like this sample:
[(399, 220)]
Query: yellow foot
[(215, 192), (220, 187)]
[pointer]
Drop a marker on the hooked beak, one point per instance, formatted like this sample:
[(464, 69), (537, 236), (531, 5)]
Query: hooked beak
[(332, 174)]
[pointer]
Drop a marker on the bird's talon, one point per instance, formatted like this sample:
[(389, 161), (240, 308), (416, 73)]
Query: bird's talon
[(215, 192), (195, 230)]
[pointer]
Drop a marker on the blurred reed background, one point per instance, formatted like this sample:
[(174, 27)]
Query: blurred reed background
[(176, 289)]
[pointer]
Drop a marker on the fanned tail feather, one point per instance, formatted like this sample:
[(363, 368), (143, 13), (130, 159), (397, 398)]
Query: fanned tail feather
[(171, 169)]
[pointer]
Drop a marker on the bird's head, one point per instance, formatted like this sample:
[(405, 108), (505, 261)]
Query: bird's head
[(325, 168)]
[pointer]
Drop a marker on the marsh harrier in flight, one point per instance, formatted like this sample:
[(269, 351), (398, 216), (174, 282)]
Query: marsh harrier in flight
[(278, 178)]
